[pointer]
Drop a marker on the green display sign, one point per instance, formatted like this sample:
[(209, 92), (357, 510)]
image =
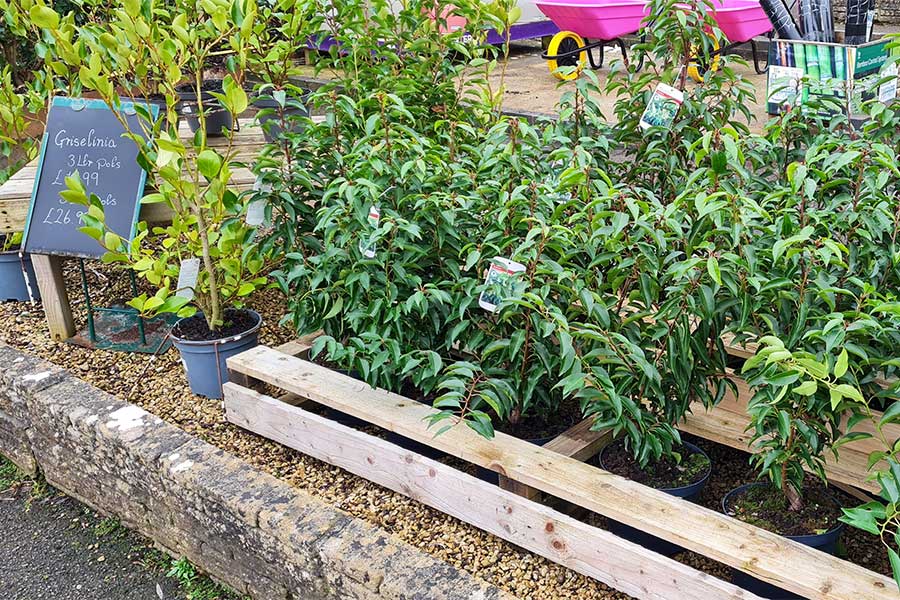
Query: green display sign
[(801, 70)]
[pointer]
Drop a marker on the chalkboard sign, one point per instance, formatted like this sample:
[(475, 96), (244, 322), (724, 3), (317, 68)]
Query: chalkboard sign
[(85, 136)]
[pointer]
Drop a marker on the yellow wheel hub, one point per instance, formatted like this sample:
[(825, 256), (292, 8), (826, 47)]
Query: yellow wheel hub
[(696, 70), (562, 43)]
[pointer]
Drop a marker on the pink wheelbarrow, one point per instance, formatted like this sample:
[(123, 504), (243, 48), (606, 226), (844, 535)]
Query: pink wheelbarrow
[(588, 25), (582, 21)]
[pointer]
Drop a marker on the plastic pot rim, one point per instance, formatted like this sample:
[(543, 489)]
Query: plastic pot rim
[(741, 488), (219, 341), (703, 480)]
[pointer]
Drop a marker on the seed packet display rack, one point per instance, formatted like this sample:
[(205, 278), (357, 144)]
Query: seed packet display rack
[(527, 471)]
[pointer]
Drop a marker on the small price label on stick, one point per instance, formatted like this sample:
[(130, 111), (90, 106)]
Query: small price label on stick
[(256, 210), (502, 281), (367, 243), (662, 108), (187, 278)]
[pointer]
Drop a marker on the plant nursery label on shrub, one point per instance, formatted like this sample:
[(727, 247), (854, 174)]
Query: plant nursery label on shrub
[(187, 278), (502, 281), (888, 90), (786, 85), (84, 136), (367, 243), (662, 108)]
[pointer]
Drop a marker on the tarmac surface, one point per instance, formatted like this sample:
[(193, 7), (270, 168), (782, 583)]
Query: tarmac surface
[(53, 548)]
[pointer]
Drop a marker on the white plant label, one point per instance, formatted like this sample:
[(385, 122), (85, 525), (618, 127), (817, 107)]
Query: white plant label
[(366, 243), (259, 186), (662, 107), (187, 278), (256, 212), (785, 85), (502, 281), (887, 91)]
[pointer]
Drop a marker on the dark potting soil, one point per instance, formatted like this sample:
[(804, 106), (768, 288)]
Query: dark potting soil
[(766, 507), (208, 85), (662, 474), (195, 329), (540, 426)]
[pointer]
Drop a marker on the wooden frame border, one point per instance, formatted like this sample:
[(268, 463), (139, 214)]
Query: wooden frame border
[(583, 548), (764, 555)]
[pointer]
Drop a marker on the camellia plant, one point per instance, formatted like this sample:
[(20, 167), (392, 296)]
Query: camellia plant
[(367, 183)]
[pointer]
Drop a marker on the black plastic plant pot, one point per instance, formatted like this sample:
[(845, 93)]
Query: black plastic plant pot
[(204, 360), (13, 271), (218, 120), (688, 492), (826, 542), (271, 114)]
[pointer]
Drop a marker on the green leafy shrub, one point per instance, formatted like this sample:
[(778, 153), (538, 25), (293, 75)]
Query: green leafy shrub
[(149, 49)]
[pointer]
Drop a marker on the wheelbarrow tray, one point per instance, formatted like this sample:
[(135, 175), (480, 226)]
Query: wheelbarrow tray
[(596, 20), (741, 20)]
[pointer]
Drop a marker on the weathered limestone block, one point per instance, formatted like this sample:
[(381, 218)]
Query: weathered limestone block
[(247, 529), (20, 375)]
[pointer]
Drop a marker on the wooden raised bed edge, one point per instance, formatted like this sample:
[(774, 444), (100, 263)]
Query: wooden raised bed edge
[(765, 555), (579, 442), (583, 548)]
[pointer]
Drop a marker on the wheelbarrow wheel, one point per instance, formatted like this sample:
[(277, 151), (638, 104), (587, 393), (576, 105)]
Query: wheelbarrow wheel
[(698, 67), (571, 46)]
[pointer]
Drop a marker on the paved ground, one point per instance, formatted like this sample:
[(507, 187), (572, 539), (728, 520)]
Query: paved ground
[(530, 85), (53, 548), (50, 551)]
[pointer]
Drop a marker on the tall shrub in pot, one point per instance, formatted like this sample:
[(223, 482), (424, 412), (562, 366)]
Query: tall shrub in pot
[(207, 233), (359, 214), (282, 29), (823, 278)]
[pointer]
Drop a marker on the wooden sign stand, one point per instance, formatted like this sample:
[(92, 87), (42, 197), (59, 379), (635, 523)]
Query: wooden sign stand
[(55, 299)]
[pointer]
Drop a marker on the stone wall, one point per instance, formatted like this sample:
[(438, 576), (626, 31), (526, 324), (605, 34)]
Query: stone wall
[(245, 528)]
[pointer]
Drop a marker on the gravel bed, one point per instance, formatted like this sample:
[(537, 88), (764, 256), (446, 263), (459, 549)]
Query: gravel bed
[(160, 387)]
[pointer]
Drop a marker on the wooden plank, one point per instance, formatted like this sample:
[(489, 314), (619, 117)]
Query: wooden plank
[(588, 550), (13, 214), (727, 424), (300, 346), (760, 553), (54, 297), (519, 489), (578, 442)]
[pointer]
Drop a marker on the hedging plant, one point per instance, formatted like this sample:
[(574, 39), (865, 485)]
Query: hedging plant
[(527, 207), (395, 118), (666, 290), (821, 264), (147, 49), (825, 307), (677, 35)]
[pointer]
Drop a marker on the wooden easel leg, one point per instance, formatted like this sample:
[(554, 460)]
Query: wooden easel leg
[(49, 275)]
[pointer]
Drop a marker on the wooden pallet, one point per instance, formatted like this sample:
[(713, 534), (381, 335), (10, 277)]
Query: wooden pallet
[(728, 422), (588, 550)]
